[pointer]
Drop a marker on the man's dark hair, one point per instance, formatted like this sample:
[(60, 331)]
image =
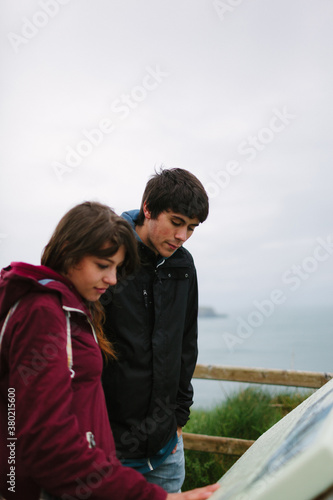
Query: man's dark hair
[(174, 189)]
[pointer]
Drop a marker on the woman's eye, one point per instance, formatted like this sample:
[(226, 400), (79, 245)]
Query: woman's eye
[(102, 266)]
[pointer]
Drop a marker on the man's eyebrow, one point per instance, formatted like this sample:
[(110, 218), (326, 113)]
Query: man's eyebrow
[(184, 221)]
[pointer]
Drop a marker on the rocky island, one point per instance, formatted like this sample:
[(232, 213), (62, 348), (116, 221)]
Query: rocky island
[(209, 312)]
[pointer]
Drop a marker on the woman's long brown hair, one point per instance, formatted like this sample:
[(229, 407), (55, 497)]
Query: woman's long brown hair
[(91, 228)]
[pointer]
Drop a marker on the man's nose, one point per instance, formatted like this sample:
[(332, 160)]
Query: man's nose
[(181, 233)]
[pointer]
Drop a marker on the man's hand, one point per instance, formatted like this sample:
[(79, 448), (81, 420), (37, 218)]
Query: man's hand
[(179, 433), (197, 494)]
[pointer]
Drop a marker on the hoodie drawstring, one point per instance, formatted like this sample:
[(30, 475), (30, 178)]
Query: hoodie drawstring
[(9, 315)]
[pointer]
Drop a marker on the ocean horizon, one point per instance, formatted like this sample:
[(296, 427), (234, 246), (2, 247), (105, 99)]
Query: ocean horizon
[(288, 339)]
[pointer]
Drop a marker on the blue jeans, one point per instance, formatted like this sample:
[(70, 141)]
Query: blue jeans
[(170, 474)]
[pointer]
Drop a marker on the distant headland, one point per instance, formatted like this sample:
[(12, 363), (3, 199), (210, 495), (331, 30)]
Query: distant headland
[(209, 312)]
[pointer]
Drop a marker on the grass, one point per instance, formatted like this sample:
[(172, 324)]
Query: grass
[(245, 415)]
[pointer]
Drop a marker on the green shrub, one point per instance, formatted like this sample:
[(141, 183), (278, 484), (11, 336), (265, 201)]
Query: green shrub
[(244, 415)]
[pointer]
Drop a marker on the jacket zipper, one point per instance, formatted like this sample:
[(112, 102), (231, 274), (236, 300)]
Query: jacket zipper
[(149, 464), (145, 297)]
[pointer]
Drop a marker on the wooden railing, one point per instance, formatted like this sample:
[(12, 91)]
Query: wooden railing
[(231, 446), (294, 378), (214, 444)]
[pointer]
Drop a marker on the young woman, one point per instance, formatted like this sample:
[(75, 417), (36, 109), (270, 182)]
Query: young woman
[(56, 440)]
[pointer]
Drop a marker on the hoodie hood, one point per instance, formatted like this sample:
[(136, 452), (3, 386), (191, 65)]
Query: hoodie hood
[(20, 279), (131, 217)]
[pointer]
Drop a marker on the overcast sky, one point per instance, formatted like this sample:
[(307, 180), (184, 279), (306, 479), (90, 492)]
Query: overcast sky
[(95, 95)]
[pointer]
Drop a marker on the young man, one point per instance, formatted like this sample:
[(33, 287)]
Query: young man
[(151, 319)]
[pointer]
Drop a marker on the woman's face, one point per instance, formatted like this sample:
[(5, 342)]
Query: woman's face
[(92, 276)]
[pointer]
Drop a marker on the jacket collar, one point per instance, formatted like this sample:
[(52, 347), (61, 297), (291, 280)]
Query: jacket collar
[(131, 216)]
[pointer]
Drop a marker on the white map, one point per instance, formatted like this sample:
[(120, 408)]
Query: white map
[(291, 461)]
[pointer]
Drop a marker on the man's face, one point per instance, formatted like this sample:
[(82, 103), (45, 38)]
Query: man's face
[(168, 232)]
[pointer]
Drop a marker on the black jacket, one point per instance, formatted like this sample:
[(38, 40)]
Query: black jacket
[(151, 318)]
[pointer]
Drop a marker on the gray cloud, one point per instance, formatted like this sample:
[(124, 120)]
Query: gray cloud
[(225, 79)]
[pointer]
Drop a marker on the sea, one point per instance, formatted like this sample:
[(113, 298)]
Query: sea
[(299, 338)]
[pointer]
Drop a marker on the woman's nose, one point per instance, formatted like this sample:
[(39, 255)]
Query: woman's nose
[(111, 277)]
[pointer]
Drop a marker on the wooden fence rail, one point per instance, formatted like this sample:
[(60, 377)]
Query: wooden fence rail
[(214, 444), (232, 446), (294, 378)]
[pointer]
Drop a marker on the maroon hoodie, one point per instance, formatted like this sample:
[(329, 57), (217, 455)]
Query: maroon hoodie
[(54, 427)]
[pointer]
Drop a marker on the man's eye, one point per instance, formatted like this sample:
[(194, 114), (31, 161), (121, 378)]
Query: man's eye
[(175, 223)]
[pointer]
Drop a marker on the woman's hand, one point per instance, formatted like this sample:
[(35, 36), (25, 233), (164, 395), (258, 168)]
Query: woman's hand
[(197, 494)]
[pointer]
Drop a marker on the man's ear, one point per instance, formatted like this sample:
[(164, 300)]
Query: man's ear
[(146, 212)]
